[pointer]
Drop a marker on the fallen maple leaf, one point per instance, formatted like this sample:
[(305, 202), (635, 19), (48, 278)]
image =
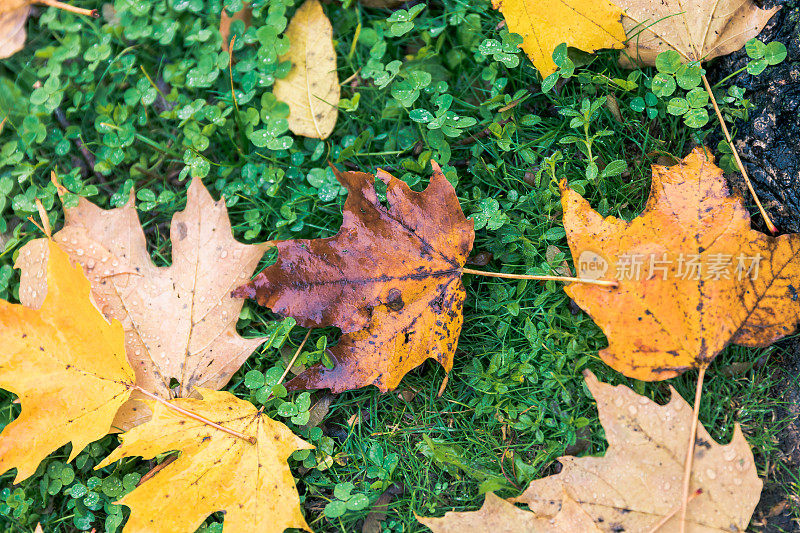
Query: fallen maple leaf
[(13, 17), (499, 516), (702, 30), (390, 279), (66, 364), (693, 277), (312, 87), (636, 485), (180, 321), (586, 24), (215, 471)]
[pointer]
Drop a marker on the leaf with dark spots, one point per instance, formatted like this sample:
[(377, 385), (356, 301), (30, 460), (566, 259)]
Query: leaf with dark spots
[(390, 279), (693, 276)]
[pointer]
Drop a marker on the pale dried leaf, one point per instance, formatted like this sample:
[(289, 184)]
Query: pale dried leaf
[(500, 516), (180, 320), (638, 481), (696, 29), (312, 87), (13, 17)]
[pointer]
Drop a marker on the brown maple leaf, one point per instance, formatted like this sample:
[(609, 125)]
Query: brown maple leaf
[(636, 484), (390, 279), (693, 277), (180, 320)]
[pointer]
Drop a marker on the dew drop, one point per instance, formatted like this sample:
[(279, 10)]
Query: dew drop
[(79, 251), (618, 401), (711, 474), (632, 409), (224, 254), (729, 454)]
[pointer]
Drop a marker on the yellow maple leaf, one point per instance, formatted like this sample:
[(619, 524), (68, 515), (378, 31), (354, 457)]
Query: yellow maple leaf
[(586, 24), (68, 366), (693, 276), (215, 471)]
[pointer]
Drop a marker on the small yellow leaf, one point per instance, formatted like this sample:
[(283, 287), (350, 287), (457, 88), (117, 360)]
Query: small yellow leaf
[(66, 364), (215, 471), (586, 24), (312, 87)]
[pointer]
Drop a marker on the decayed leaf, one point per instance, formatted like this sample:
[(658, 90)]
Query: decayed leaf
[(698, 30), (66, 364), (692, 275), (13, 16), (312, 87), (499, 516), (390, 280), (215, 471), (586, 24), (180, 321), (636, 485), (245, 14)]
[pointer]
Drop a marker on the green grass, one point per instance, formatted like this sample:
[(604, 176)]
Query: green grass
[(515, 400)]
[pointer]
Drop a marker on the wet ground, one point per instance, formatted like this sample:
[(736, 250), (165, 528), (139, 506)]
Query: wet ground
[(769, 144)]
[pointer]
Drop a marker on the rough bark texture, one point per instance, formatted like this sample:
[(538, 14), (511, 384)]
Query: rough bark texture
[(768, 142)]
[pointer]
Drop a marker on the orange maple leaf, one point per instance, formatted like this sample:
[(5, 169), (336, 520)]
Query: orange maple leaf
[(693, 277)]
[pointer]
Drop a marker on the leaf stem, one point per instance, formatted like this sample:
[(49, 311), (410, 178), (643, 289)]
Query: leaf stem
[(687, 466), (673, 512), (72, 9), (294, 357), (601, 282), (770, 225), (204, 420)]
